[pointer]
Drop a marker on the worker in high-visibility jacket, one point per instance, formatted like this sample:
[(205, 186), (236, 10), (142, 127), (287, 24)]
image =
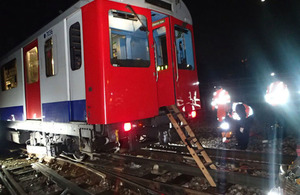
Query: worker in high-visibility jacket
[(221, 102)]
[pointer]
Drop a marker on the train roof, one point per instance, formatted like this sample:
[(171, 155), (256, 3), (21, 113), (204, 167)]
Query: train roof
[(175, 8)]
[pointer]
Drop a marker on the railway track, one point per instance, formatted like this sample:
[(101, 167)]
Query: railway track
[(253, 160), (236, 155), (64, 176), (32, 177), (152, 170)]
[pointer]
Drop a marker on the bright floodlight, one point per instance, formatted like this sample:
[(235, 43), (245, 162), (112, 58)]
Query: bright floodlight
[(262, 0), (277, 94), (225, 126)]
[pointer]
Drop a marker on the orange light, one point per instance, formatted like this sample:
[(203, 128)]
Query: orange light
[(193, 114), (127, 126)]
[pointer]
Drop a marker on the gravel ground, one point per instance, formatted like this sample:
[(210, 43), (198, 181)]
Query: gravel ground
[(243, 190), (210, 137)]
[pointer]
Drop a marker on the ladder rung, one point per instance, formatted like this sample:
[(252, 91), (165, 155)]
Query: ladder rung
[(175, 113), (199, 151), (208, 164), (184, 125), (189, 139)]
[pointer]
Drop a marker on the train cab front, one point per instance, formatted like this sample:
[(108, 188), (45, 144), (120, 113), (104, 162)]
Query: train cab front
[(139, 58)]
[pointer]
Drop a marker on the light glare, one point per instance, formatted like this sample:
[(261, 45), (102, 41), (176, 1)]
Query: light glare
[(193, 114), (276, 191), (127, 126), (225, 126), (277, 94)]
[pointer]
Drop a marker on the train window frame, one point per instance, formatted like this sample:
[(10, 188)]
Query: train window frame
[(12, 64), (160, 47), (75, 46), (49, 57), (186, 56), (32, 65), (133, 42)]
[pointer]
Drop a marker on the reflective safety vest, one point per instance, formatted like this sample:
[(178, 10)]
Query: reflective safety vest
[(220, 101)]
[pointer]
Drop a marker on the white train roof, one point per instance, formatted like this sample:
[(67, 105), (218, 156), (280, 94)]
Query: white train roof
[(177, 8)]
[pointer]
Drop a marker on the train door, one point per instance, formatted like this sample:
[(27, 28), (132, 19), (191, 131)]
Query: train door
[(32, 81), (185, 71), (76, 68), (163, 61)]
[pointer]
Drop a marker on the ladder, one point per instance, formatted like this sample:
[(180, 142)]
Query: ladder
[(189, 141)]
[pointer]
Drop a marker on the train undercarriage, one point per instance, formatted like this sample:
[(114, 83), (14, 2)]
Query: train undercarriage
[(51, 139)]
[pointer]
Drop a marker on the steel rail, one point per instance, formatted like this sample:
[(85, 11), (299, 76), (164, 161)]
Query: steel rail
[(7, 184), (112, 176), (59, 180), (233, 154), (149, 186), (182, 154), (159, 186), (218, 175), (14, 183)]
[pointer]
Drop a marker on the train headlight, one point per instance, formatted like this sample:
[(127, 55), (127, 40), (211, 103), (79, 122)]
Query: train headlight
[(225, 126)]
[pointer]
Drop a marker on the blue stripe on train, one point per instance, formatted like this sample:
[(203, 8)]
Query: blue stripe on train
[(12, 113), (61, 111), (64, 112), (78, 108)]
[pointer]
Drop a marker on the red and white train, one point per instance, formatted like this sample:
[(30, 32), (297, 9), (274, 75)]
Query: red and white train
[(101, 68)]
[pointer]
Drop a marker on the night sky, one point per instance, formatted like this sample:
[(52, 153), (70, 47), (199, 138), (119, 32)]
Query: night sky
[(228, 31), (267, 34)]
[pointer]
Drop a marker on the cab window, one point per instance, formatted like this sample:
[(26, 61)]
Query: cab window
[(128, 40), (9, 75), (184, 48)]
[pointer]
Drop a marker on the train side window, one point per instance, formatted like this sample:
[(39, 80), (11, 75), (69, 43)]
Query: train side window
[(129, 45), (75, 46), (50, 69), (9, 75), (32, 65), (184, 48)]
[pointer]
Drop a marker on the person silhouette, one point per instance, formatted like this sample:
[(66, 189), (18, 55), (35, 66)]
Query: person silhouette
[(242, 127)]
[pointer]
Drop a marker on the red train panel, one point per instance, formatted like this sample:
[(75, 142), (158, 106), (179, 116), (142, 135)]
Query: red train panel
[(32, 81), (129, 92), (122, 86)]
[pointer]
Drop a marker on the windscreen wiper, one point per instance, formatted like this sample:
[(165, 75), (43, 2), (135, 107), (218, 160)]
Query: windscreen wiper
[(143, 27)]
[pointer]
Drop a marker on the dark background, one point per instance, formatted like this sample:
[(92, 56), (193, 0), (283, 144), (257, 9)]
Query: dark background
[(267, 34), (263, 34)]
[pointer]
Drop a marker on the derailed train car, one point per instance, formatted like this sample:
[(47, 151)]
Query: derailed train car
[(99, 70)]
